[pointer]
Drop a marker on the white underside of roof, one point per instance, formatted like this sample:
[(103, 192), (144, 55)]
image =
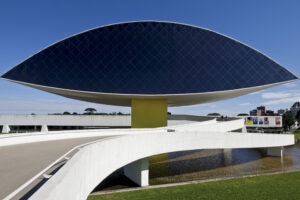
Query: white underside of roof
[(173, 99)]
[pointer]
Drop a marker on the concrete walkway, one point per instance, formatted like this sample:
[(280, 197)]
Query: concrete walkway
[(19, 163)]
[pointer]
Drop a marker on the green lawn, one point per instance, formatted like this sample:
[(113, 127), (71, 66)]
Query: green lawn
[(279, 186), (297, 134)]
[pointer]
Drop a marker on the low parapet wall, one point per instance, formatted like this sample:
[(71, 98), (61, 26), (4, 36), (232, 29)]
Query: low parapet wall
[(65, 120), (21, 138), (85, 120)]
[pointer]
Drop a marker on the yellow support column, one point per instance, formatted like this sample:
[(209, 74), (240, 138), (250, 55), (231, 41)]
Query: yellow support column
[(149, 113)]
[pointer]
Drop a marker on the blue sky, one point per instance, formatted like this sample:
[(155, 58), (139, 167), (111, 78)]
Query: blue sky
[(26, 27)]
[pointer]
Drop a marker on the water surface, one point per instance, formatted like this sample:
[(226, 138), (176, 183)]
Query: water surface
[(208, 164)]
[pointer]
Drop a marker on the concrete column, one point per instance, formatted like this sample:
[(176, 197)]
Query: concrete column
[(275, 151), (244, 129), (145, 113), (272, 151), (44, 128), (138, 172), (149, 113), (5, 128), (227, 155)]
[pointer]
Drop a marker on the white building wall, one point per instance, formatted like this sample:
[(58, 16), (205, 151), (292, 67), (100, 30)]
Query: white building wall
[(21, 138), (66, 120), (77, 120)]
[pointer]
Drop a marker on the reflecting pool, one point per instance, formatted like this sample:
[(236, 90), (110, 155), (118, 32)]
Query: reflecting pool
[(208, 164)]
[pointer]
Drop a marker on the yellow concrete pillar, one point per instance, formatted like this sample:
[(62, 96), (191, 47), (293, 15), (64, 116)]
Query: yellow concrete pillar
[(151, 113), (148, 113)]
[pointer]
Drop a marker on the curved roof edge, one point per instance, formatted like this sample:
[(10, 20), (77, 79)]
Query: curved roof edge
[(157, 22)]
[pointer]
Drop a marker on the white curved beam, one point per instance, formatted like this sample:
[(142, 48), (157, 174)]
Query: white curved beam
[(93, 163)]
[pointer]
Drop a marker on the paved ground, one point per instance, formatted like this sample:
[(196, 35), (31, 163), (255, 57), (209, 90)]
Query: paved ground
[(19, 163)]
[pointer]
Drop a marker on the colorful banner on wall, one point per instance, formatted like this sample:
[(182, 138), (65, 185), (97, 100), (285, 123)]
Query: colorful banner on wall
[(263, 121)]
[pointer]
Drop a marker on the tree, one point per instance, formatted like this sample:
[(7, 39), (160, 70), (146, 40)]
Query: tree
[(243, 114), (66, 113), (90, 111), (213, 114), (288, 120), (169, 113), (74, 113), (298, 116)]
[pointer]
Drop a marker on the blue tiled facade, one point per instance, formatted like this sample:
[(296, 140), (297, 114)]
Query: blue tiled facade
[(149, 58)]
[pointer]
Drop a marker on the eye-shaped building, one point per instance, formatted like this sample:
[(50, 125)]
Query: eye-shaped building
[(180, 64)]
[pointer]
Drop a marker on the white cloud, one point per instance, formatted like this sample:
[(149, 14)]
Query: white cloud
[(245, 104), (282, 101), (275, 95), (254, 93), (286, 97), (290, 85), (27, 106)]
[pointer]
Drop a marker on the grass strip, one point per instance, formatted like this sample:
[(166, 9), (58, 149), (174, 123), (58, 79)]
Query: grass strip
[(278, 186)]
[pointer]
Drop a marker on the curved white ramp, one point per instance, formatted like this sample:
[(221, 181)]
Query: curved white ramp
[(211, 125), (92, 164), (23, 138)]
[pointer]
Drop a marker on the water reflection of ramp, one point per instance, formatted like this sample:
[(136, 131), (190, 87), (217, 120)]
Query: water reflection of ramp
[(85, 170)]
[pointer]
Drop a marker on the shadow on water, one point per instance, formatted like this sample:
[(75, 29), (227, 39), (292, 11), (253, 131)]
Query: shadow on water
[(207, 164)]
